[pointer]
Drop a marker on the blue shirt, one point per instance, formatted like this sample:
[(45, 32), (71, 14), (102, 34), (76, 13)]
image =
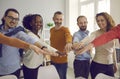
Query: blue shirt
[(77, 37), (10, 60)]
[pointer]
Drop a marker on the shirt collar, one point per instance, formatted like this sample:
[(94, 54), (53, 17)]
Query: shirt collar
[(86, 31)]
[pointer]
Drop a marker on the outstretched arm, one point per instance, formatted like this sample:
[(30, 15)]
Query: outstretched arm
[(108, 36), (13, 42), (18, 43), (85, 48), (104, 38)]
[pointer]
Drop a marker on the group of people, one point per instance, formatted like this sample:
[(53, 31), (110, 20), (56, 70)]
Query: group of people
[(61, 43), (104, 60), (35, 47)]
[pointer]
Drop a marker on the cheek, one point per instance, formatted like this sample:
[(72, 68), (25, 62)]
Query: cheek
[(16, 23)]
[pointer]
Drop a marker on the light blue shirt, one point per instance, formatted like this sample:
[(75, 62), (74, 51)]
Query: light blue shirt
[(10, 60), (77, 37)]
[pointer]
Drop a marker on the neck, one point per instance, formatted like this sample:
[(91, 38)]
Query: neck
[(35, 32), (57, 27)]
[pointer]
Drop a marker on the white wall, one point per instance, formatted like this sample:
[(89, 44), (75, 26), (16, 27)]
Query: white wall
[(115, 11), (72, 14), (47, 8), (44, 7)]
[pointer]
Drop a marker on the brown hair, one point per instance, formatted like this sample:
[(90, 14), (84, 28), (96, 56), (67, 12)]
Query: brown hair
[(6, 13), (108, 18), (58, 12), (81, 17)]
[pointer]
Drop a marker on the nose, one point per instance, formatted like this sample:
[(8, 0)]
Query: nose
[(83, 24)]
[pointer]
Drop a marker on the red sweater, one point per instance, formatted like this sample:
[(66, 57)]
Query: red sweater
[(108, 36)]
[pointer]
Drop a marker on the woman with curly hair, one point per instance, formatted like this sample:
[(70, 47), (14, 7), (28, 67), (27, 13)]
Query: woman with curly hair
[(34, 26)]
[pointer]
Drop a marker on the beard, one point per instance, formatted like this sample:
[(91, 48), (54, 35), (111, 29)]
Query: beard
[(58, 23), (83, 28)]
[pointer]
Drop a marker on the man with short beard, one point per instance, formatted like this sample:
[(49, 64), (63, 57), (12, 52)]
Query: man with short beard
[(61, 39), (81, 62)]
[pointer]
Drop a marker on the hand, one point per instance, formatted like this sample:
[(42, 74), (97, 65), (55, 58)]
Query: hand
[(84, 49), (37, 49), (115, 67), (61, 53), (77, 46), (68, 47), (50, 53)]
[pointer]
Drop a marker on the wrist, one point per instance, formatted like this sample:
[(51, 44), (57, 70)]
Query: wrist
[(43, 47)]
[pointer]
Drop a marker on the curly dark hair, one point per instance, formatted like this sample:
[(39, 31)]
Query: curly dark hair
[(28, 19)]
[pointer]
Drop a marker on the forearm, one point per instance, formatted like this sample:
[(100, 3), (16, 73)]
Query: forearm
[(84, 49), (14, 42), (51, 49), (106, 37), (88, 39)]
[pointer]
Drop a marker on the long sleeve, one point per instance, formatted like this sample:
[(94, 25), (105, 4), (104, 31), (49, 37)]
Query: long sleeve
[(58, 39), (13, 42), (108, 36), (68, 36), (42, 43), (89, 39)]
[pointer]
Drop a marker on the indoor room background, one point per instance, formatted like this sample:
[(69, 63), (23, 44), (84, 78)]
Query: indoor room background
[(70, 8)]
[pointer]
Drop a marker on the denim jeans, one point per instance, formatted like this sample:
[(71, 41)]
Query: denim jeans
[(61, 69)]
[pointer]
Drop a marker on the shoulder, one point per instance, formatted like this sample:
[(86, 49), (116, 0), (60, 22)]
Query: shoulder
[(95, 32), (65, 29), (53, 28), (76, 33)]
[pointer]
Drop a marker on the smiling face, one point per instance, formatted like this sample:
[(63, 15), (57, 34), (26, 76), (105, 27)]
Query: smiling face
[(102, 22), (82, 23), (105, 21), (11, 19), (58, 18), (37, 23)]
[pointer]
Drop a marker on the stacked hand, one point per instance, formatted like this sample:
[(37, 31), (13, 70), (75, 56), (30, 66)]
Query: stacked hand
[(80, 48), (68, 47), (77, 46), (61, 53), (42, 51), (50, 53)]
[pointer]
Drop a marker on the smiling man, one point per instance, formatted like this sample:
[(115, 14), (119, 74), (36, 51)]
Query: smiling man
[(10, 58)]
